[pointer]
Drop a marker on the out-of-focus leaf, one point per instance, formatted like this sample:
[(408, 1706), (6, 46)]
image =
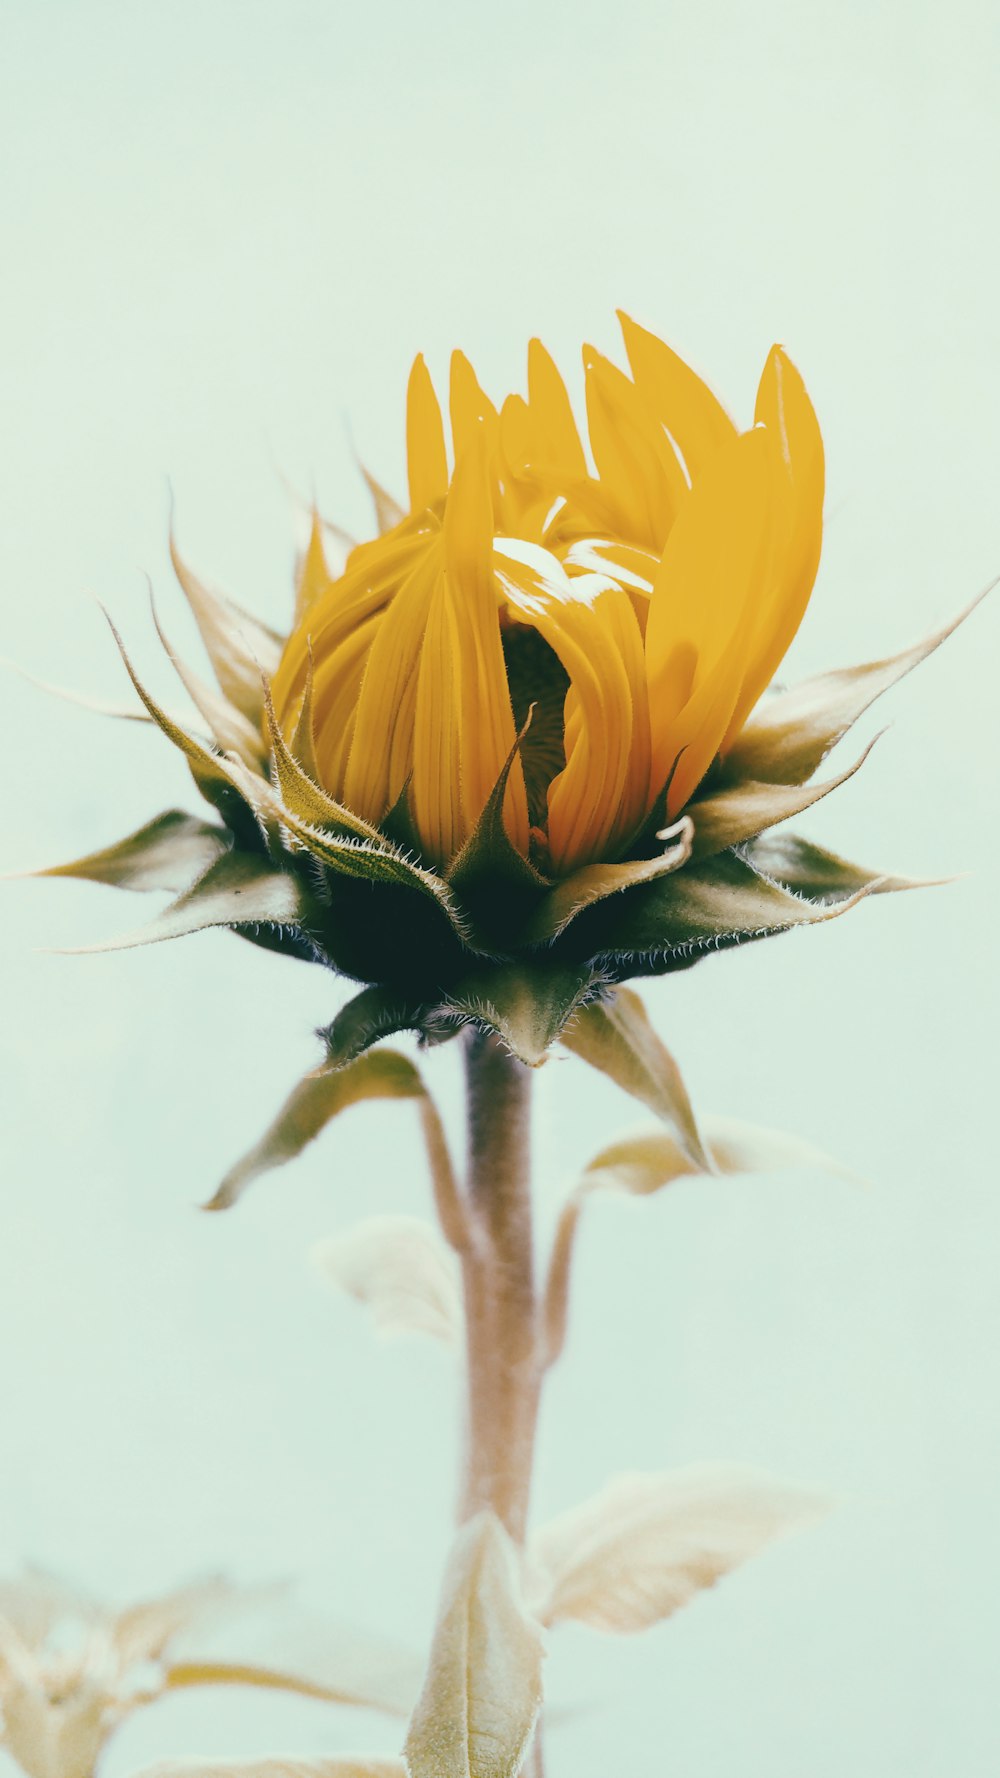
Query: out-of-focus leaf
[(593, 883), (646, 1544), (299, 1651), (791, 732), (642, 1164), (526, 1004), (141, 1632), (401, 1270), (33, 1602), (615, 1035), (319, 1097), (237, 890), (165, 854), (238, 645), (347, 1765), (483, 1687), (731, 816), (63, 1742), (809, 870)]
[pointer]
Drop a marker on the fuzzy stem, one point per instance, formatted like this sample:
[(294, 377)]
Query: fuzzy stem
[(503, 1347)]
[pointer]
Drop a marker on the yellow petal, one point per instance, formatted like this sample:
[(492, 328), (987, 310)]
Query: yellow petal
[(554, 429), (427, 462), (638, 469), (694, 417), (784, 408), (378, 764), (472, 411)]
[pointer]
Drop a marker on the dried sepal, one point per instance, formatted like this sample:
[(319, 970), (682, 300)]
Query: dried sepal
[(647, 1544), (741, 812), (168, 853), (401, 1270), (615, 1036), (231, 731), (238, 645), (644, 1163), (311, 1105), (483, 1689)]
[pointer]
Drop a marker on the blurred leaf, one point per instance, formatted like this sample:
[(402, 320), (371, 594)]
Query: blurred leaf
[(347, 1765), (646, 1544), (642, 1164), (615, 1036), (299, 1651), (165, 854), (593, 883), (141, 1632), (483, 1688), (319, 1097), (401, 1270), (236, 891), (731, 816), (238, 645), (526, 1004), (791, 732)]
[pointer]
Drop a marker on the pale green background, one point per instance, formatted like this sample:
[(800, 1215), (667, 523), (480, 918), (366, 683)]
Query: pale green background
[(227, 228)]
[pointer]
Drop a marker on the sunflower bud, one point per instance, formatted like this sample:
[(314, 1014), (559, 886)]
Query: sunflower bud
[(518, 747)]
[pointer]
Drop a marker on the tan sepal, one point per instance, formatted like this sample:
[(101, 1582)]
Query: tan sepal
[(388, 512), (483, 1688), (97, 706), (643, 1163), (318, 1098), (647, 1544), (741, 813), (615, 1035), (595, 882), (401, 1270), (238, 645), (790, 733), (231, 731), (167, 853), (237, 890), (527, 1005)]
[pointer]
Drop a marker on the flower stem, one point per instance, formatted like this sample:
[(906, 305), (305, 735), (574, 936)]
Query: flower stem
[(503, 1346)]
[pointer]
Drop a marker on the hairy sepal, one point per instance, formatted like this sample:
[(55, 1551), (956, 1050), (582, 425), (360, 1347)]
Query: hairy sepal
[(527, 1004), (615, 1036), (237, 891), (167, 853)]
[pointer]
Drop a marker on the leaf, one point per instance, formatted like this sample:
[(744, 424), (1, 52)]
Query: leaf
[(238, 645), (296, 1650), (318, 1098), (595, 882), (713, 905), (615, 1036), (374, 1013), (237, 890), (527, 1004), (646, 1544), (402, 1270), (644, 1163), (165, 854), (483, 1688), (791, 732), (347, 1765), (809, 870), (744, 811)]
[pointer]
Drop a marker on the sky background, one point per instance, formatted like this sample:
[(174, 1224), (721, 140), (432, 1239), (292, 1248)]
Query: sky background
[(227, 229)]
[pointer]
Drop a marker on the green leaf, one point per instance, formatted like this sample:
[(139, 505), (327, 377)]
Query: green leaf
[(810, 870), (710, 906), (527, 1004), (741, 813), (643, 1164), (238, 645), (374, 1013), (167, 853), (594, 883), (237, 890), (318, 1098), (791, 732), (483, 1688), (615, 1036)]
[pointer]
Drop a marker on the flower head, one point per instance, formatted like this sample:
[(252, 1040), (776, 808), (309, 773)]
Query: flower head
[(523, 743)]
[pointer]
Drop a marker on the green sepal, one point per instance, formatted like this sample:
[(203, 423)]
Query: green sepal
[(493, 879), (526, 1003), (594, 883), (741, 812), (716, 905), (318, 1098), (806, 869), (168, 853), (371, 1015), (238, 891), (615, 1036), (790, 733), (303, 797)]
